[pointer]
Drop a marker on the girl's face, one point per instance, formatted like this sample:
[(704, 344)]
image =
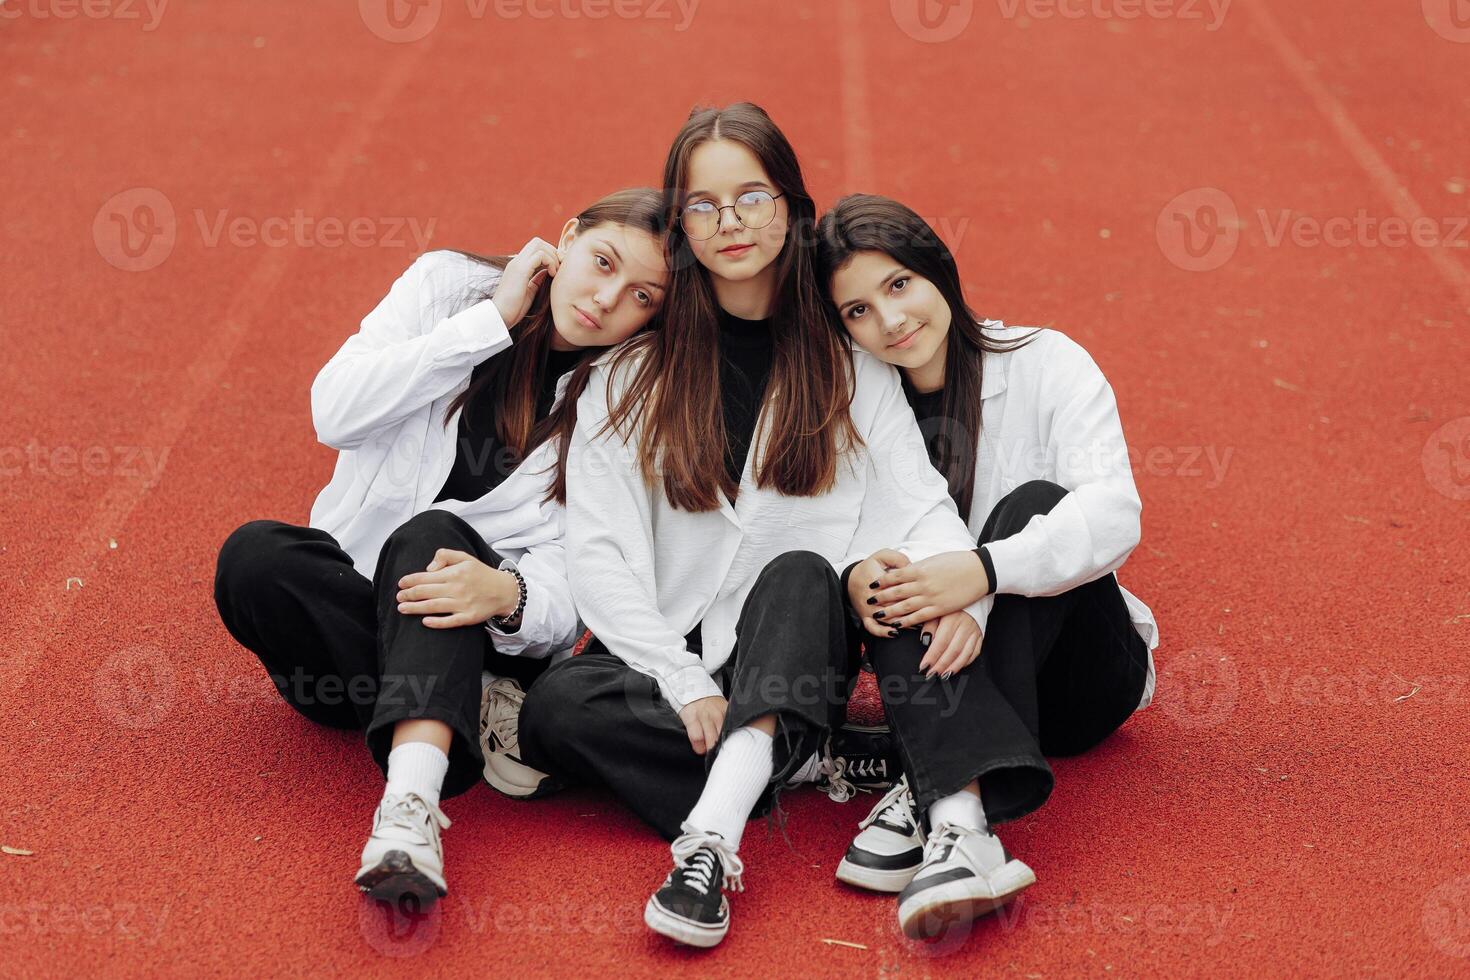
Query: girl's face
[(610, 283), (723, 173), (896, 315)]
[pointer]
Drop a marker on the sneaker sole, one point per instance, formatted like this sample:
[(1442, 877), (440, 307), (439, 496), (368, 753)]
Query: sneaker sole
[(511, 778), (683, 930), (394, 876), (934, 911), (887, 880)]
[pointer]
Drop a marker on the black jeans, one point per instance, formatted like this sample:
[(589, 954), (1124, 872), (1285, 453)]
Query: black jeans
[(1055, 676), (596, 720), (338, 649)]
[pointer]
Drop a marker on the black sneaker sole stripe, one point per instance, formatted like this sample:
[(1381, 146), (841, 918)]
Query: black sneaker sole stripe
[(886, 862)]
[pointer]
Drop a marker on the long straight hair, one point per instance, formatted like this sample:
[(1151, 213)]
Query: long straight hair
[(869, 223), (511, 383), (675, 388)]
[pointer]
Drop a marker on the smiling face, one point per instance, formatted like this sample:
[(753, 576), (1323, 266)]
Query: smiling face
[(893, 313), (610, 284), (723, 172)]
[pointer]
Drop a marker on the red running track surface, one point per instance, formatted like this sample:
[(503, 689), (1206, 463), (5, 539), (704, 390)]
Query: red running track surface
[(1293, 804)]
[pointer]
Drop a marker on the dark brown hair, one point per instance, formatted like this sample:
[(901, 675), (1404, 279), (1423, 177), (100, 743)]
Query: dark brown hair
[(512, 380), (868, 223), (674, 389)]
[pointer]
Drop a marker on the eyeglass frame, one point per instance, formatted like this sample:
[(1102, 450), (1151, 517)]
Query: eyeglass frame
[(720, 217)]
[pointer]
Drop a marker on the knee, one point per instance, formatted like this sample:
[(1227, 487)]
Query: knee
[(415, 540), (797, 566), (250, 555), (434, 527), (1034, 497), (550, 705)]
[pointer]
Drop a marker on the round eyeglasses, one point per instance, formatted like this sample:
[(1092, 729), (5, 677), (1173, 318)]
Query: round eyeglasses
[(753, 209)]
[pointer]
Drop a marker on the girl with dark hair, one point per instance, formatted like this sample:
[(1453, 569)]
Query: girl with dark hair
[(1024, 428), (725, 471), (435, 553)]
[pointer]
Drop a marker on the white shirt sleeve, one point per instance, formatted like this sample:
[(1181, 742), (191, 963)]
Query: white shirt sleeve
[(549, 623), (611, 555), (405, 354), (1094, 528)]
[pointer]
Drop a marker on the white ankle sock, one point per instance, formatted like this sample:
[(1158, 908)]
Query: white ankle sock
[(417, 767), (809, 772), (739, 775), (962, 809)]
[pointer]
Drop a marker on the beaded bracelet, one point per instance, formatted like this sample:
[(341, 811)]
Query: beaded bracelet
[(504, 621)]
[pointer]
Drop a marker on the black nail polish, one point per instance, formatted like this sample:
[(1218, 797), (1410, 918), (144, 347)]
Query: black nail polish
[(893, 634), (879, 614), (873, 601), (926, 639), (873, 586)]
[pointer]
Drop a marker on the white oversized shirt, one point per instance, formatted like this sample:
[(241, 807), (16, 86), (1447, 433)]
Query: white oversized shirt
[(644, 573), (381, 400), (1049, 414)]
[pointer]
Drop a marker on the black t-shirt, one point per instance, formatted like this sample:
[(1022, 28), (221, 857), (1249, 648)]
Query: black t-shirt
[(481, 461), (746, 351)]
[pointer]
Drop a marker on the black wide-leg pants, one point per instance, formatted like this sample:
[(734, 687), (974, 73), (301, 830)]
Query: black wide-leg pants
[(338, 649), (1055, 676)]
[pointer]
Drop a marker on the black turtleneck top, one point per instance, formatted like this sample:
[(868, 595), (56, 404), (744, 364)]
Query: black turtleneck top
[(746, 351), (481, 460)]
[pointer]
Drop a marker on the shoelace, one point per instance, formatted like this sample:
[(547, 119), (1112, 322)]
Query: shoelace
[(943, 838), (839, 789), (895, 809), (409, 811), (694, 862), (500, 711)]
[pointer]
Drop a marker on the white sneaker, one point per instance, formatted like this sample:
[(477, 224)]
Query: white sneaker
[(889, 848), (966, 873), (500, 717), (404, 855)]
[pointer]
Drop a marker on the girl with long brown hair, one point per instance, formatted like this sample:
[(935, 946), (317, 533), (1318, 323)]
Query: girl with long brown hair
[(1024, 428), (724, 473), (435, 553)]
